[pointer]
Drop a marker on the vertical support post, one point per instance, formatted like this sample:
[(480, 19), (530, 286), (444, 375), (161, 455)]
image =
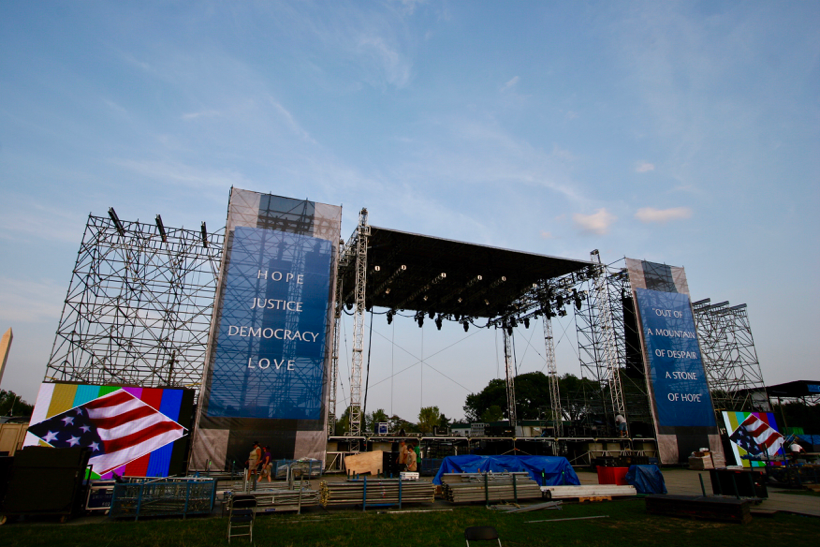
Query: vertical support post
[(552, 376), (510, 369), (362, 233), (334, 356)]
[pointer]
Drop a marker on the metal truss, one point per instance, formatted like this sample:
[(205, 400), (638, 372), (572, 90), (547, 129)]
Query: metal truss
[(609, 344), (334, 356), (552, 375), (729, 356), (509, 366), (357, 250), (601, 349), (139, 306)]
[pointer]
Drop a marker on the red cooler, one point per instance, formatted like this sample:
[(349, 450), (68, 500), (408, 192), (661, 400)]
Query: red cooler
[(612, 475)]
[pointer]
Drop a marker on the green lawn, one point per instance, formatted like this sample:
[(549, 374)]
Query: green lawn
[(628, 525)]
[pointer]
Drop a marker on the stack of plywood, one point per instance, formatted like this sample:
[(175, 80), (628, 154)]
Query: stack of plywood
[(365, 463)]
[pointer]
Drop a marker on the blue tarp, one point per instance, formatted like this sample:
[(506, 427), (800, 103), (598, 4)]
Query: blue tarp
[(813, 440), (647, 479), (556, 470)]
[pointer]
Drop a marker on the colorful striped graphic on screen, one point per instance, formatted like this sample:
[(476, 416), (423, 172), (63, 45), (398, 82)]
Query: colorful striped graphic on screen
[(759, 427), (55, 399)]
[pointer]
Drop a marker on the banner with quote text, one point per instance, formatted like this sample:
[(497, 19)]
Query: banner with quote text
[(266, 374), (676, 372), (270, 346)]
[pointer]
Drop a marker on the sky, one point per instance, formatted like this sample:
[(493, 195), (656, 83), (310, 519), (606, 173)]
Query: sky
[(686, 133)]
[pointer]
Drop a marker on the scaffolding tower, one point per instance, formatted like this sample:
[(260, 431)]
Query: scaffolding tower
[(609, 347), (729, 356), (139, 305)]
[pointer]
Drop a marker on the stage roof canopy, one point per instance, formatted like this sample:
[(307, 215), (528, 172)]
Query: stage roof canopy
[(408, 271)]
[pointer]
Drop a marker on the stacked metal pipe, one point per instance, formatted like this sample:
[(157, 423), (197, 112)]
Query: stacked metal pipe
[(378, 492), (488, 487), (278, 499)]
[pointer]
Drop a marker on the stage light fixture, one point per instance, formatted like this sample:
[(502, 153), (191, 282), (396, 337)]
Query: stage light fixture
[(526, 322), (431, 314), (389, 317), (349, 306), (509, 331), (562, 312), (438, 322), (466, 326), (161, 229), (113, 214)]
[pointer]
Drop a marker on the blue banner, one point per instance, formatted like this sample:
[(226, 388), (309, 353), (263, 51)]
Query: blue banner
[(269, 360), (676, 370)]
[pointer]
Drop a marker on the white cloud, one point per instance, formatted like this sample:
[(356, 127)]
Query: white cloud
[(547, 235), (650, 214), (24, 301), (186, 175), (510, 84), (597, 223), (644, 167), (396, 68), (40, 221), (202, 114)]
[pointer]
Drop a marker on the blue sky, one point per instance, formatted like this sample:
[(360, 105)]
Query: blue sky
[(678, 132)]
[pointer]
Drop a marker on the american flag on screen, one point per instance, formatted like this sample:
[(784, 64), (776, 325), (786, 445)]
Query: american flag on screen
[(754, 436), (117, 427)]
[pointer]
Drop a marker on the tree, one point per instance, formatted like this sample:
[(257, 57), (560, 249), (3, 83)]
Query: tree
[(373, 419), (532, 398), (429, 417), (397, 424), (493, 414), (12, 405)]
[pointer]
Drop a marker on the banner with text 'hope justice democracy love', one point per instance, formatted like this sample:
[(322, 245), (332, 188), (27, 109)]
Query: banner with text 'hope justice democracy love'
[(269, 359), (676, 370)]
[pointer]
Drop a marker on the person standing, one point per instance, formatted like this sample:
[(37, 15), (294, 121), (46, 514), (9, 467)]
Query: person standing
[(253, 458), (620, 423), (411, 460), (402, 459), (266, 463)]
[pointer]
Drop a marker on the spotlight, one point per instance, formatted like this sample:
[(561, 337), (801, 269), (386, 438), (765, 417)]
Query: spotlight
[(466, 326), (577, 298), (509, 331), (560, 301), (420, 318), (513, 322), (526, 322), (562, 312), (438, 322), (349, 306), (389, 317), (431, 314)]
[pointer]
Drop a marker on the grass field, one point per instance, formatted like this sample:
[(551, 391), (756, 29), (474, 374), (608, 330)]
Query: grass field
[(627, 525)]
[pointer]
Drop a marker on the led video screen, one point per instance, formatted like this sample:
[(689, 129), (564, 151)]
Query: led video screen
[(131, 431), (754, 437)]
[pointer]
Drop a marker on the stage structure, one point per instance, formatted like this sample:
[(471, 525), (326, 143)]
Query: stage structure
[(138, 308), (609, 349), (268, 360), (730, 358), (444, 280)]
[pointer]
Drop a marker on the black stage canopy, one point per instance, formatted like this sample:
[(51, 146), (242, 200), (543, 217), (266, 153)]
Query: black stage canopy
[(798, 388), (408, 271)]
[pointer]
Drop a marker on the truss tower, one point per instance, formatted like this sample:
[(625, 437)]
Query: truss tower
[(138, 308), (729, 356)]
